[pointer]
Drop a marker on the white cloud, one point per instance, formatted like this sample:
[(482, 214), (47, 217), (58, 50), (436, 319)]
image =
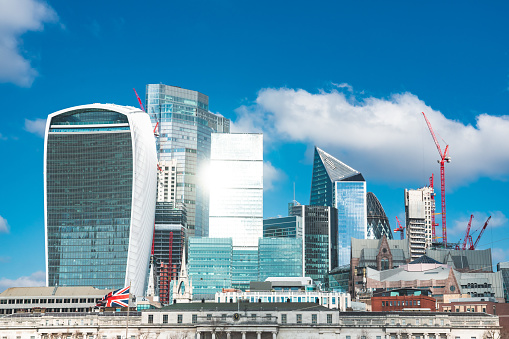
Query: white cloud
[(35, 279), (4, 226), (459, 226), (37, 126), (3, 137), (499, 254), (344, 85), (16, 18), (385, 138), (271, 175)]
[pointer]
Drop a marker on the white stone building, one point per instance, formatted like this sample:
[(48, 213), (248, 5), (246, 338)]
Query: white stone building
[(250, 321)]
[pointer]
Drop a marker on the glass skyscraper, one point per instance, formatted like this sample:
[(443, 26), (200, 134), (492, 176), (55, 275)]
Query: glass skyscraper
[(338, 185), (100, 177), (236, 188), (320, 240), (378, 223), (184, 128)]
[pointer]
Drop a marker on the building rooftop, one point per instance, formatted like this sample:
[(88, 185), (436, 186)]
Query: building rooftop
[(243, 306), (337, 170), (56, 291)]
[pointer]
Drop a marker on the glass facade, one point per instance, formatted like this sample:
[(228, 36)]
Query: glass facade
[(210, 265), (320, 241), (236, 188), (285, 227), (89, 200), (244, 267), (352, 222), (280, 257), (184, 128), (378, 223), (336, 184)]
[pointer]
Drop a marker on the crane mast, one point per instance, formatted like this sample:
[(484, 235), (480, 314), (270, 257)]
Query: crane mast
[(443, 159)]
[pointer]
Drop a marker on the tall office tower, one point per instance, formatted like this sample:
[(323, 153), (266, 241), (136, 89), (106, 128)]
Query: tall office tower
[(236, 188), (170, 236), (100, 178), (320, 240), (378, 223), (338, 185), (418, 212), (236, 199), (210, 266), (184, 126)]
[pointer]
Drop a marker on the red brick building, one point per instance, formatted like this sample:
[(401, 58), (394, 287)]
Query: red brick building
[(403, 299)]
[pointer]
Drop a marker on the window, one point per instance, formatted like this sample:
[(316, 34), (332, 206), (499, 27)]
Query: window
[(392, 322), (268, 316), (378, 337), (150, 318), (348, 337), (417, 322), (314, 318), (195, 319), (283, 318), (209, 316), (441, 322), (165, 318), (329, 319), (179, 319), (223, 316), (403, 321), (299, 318), (383, 303)]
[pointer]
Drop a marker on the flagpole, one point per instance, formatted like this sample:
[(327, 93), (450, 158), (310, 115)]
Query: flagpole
[(128, 303)]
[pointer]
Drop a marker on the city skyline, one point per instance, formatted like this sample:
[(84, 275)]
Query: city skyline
[(350, 79)]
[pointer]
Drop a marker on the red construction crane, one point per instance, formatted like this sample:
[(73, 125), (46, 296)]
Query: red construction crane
[(139, 100), (400, 228), (473, 246), (443, 158), (467, 234)]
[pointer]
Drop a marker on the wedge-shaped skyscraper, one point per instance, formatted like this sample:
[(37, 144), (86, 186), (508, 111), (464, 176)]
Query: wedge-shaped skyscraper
[(100, 174), (338, 185)]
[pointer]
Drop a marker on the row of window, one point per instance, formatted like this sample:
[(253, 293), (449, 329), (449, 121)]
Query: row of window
[(401, 303), (268, 316), (48, 301)]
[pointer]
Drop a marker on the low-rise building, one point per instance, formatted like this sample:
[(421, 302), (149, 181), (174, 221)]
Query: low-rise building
[(403, 299), (249, 321), (50, 299)]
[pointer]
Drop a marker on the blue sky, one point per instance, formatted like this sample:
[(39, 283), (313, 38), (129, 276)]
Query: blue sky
[(350, 77)]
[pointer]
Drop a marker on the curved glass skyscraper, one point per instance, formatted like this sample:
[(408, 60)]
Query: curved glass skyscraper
[(100, 173), (378, 223)]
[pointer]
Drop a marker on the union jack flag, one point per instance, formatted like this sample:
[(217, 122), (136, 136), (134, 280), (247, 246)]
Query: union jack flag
[(118, 298)]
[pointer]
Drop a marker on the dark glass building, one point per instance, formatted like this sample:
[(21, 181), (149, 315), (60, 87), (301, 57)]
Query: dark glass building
[(99, 187), (320, 241), (378, 223)]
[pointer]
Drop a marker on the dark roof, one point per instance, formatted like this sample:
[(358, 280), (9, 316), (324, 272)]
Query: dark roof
[(425, 260), (243, 306)]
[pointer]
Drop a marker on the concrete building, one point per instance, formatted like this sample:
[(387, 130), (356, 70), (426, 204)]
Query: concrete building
[(463, 260), (419, 207), (100, 177), (504, 268), (443, 281), (183, 125), (250, 321), (54, 299), (377, 254)]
